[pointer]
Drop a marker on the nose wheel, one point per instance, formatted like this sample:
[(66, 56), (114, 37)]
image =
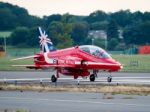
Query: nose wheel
[(54, 78), (109, 78)]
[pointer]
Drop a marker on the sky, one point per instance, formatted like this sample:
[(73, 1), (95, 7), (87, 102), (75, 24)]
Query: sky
[(79, 7)]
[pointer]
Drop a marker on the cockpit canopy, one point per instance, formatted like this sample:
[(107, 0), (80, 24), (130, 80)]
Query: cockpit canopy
[(48, 46), (95, 51)]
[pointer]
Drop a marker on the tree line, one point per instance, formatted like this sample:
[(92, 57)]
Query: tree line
[(67, 30)]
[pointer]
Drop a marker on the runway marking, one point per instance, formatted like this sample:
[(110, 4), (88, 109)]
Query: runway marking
[(76, 101)]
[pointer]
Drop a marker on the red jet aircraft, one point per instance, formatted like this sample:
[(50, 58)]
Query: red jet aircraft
[(75, 61)]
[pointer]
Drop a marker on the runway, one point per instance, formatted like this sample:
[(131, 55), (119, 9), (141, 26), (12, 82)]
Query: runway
[(44, 77), (30, 101), (72, 102)]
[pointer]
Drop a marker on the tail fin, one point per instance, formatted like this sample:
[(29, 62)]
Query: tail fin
[(45, 43)]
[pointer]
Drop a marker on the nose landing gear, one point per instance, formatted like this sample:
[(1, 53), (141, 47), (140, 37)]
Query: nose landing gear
[(109, 78)]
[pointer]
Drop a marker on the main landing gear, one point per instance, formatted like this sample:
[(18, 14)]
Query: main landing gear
[(53, 78), (92, 77)]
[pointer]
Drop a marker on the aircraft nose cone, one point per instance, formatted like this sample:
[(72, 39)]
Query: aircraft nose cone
[(119, 65)]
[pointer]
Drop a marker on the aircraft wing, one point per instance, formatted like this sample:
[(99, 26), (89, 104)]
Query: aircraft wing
[(27, 66), (99, 63)]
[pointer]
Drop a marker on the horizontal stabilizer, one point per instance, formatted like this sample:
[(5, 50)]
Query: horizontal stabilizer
[(27, 66), (44, 66), (27, 57)]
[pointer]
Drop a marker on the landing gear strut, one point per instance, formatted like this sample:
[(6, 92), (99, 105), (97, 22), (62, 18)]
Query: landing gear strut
[(53, 78)]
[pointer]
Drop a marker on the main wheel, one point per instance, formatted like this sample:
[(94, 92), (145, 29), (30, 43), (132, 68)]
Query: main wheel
[(53, 78), (92, 77)]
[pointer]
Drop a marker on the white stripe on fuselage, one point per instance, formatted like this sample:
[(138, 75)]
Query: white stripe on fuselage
[(47, 59)]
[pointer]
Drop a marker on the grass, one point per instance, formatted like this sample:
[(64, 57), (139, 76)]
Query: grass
[(5, 33), (15, 110), (18, 52), (134, 63), (128, 90), (13, 52), (6, 64)]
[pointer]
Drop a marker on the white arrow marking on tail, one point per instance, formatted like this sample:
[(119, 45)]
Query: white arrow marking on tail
[(47, 59)]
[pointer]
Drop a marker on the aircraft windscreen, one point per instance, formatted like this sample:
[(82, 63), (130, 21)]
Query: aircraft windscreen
[(95, 51), (51, 47)]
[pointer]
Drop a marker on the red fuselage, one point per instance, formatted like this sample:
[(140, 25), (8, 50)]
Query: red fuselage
[(76, 62)]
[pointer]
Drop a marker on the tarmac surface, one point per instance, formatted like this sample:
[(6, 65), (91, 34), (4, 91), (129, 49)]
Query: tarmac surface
[(46, 74), (11, 101), (29, 101), (45, 77)]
